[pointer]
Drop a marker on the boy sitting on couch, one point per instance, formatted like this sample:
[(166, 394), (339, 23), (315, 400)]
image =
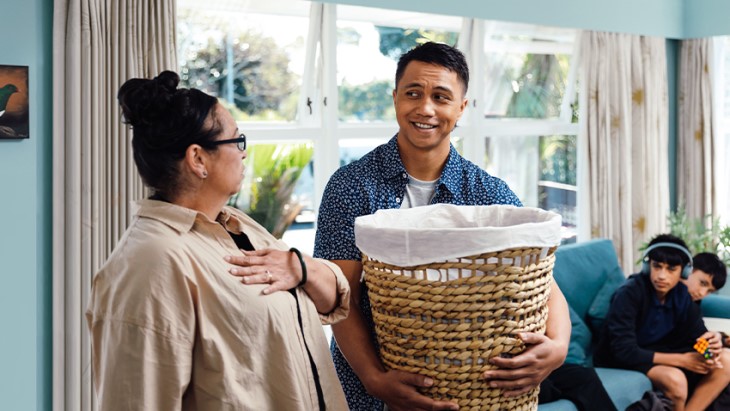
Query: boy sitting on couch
[(653, 324)]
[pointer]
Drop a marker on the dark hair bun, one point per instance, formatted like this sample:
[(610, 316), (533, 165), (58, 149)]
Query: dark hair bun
[(165, 121), (144, 101)]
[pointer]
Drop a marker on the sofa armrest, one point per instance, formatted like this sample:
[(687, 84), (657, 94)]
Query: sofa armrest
[(717, 306), (718, 324)]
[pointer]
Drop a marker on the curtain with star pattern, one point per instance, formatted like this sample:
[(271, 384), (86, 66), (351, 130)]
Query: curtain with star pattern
[(624, 138), (695, 133)]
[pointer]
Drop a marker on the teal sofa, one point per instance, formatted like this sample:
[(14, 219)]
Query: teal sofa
[(588, 273)]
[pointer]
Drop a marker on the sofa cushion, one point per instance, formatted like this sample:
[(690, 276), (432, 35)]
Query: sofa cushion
[(598, 310), (560, 405), (715, 305), (581, 269), (580, 340), (623, 386)]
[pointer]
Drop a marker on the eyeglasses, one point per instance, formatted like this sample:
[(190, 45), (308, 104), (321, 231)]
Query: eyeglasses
[(240, 142)]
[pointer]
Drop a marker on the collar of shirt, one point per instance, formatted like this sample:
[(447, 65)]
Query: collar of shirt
[(183, 219), (392, 169)]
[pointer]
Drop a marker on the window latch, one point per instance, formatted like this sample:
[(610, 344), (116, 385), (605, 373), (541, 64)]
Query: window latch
[(309, 104)]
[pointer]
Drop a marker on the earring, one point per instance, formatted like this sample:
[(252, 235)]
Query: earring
[(205, 174)]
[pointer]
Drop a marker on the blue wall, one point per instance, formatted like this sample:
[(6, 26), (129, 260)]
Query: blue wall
[(674, 19), (25, 165), (648, 17), (705, 18), (25, 216)]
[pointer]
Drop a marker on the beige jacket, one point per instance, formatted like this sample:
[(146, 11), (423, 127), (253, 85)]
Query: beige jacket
[(171, 329)]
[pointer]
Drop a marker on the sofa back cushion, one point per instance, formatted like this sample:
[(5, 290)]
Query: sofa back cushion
[(582, 269), (598, 310), (580, 341)]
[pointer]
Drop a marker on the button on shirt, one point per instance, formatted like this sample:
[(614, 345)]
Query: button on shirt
[(171, 329), (378, 181)]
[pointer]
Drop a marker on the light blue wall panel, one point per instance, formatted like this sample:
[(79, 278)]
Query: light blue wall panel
[(25, 166), (648, 17), (25, 209), (705, 18)]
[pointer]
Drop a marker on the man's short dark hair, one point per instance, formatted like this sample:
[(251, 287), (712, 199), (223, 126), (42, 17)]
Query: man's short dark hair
[(439, 54), (711, 264)]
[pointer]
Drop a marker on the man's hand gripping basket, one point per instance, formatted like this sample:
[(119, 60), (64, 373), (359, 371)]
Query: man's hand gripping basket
[(451, 286)]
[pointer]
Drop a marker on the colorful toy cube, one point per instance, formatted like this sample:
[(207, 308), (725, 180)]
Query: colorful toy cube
[(703, 347)]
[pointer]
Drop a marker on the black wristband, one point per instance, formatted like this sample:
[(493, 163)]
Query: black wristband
[(304, 266)]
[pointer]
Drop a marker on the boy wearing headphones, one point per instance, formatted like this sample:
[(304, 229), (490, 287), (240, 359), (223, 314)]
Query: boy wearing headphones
[(653, 324)]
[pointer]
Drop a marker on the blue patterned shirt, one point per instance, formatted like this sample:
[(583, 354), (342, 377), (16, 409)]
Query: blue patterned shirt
[(378, 181)]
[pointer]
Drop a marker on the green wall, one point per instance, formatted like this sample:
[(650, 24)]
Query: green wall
[(25, 216)]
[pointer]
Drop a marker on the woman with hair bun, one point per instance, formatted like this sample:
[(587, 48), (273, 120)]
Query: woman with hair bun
[(199, 307)]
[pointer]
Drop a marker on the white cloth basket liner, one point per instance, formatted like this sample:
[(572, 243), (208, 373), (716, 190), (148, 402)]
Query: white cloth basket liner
[(442, 232)]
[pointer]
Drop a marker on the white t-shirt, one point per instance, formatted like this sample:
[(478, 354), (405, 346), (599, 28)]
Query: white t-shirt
[(418, 193)]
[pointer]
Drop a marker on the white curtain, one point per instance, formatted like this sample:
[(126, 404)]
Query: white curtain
[(624, 78), (98, 44), (721, 126), (695, 135)]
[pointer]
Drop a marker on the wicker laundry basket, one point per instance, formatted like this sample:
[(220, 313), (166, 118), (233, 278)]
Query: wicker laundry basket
[(445, 319)]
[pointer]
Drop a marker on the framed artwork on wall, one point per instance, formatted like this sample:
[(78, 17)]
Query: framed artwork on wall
[(14, 109)]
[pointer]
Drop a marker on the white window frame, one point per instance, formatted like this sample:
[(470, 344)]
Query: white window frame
[(323, 129)]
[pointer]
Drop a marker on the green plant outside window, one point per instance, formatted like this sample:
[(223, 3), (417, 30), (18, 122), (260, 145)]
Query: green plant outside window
[(272, 172), (704, 234)]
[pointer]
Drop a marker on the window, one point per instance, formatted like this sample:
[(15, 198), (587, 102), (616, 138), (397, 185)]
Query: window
[(369, 43), (526, 103), (298, 72), (241, 55), (526, 70)]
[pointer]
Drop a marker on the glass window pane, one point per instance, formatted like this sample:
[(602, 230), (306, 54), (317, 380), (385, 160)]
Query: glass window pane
[(369, 43), (353, 149), (726, 78), (277, 186), (522, 85), (240, 53), (723, 191), (541, 170), (526, 70), (457, 141)]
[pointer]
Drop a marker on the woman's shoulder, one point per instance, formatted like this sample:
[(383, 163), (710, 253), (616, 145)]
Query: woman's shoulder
[(151, 237), (148, 249)]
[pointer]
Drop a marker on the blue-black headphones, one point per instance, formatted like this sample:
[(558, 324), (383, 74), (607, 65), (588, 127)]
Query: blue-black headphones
[(686, 270)]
